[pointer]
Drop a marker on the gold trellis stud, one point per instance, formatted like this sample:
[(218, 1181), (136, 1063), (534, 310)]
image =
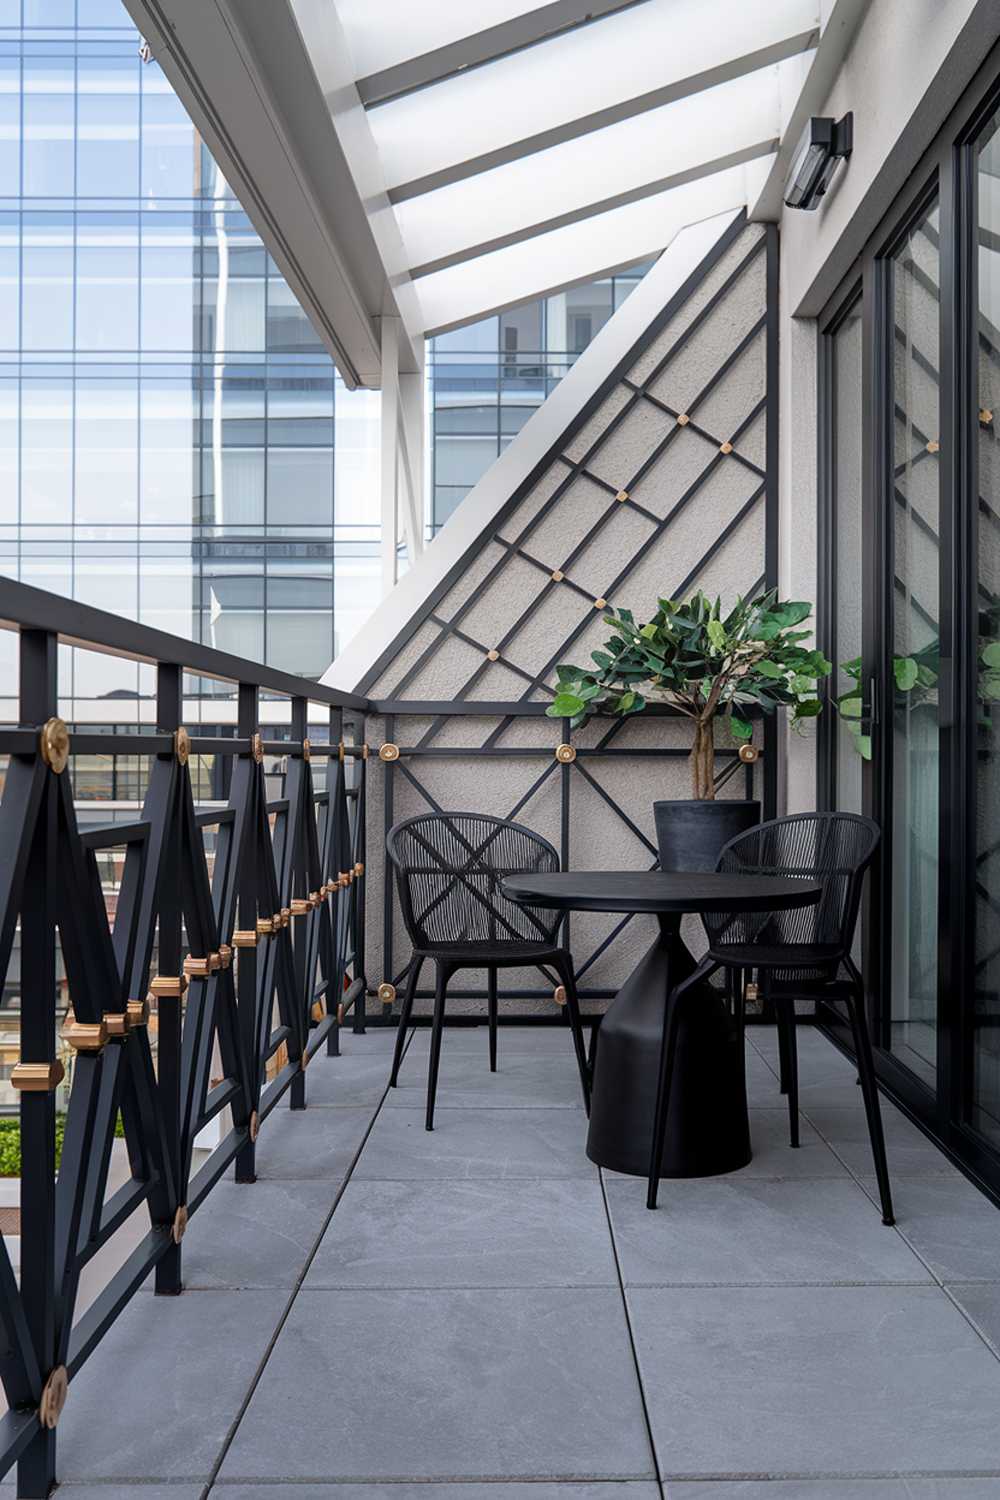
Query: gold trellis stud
[(493, 655), (748, 754), (558, 575), (306, 749), (600, 603), (985, 416), (257, 748), (559, 994), (565, 754), (53, 745), (622, 495), (388, 751), (179, 1225), (933, 446), (725, 447), (386, 992), (683, 419)]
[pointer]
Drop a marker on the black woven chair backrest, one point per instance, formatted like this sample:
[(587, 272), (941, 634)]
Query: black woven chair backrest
[(828, 849), (449, 867)]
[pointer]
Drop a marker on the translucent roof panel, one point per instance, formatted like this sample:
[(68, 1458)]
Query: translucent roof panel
[(383, 33), (736, 120), (622, 62), (581, 251)]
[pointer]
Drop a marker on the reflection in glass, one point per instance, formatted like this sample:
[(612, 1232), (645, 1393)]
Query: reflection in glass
[(846, 533), (985, 1095), (915, 527)]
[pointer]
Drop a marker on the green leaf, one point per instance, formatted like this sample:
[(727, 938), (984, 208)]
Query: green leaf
[(716, 634), (625, 702), (850, 706), (864, 746), (905, 671), (602, 659), (768, 668), (991, 654), (648, 632), (808, 708), (564, 706), (741, 729)]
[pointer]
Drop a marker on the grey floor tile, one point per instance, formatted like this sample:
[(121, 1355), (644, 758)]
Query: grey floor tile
[(352, 1079), (191, 1359), (477, 1143), (253, 1234), (981, 1302), (953, 1489), (481, 1490), (522, 1080), (297, 1145), (540, 1041), (773, 1156), (743, 1231), (478, 1233), (498, 1384), (909, 1151), (949, 1223), (815, 1380), (788, 1489), (129, 1492)]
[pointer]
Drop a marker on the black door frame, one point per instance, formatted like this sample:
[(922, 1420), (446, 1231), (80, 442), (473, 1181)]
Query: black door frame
[(948, 170)]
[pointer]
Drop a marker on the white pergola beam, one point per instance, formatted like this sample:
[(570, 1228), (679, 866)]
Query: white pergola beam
[(512, 34), (580, 252), (695, 137), (578, 83)]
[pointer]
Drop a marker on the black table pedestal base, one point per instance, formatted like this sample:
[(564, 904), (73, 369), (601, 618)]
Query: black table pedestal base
[(708, 1130)]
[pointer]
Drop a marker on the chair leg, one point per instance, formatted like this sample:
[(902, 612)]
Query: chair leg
[(436, 1028), (786, 1008), (780, 1020), (416, 964), (491, 1007), (564, 968), (869, 1090), (668, 1047), (592, 1049)]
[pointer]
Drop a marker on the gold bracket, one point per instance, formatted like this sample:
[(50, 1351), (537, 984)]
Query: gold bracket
[(344, 879), (565, 754), (305, 1058), (179, 1225), (301, 906), (359, 869), (225, 955), (622, 496), (340, 751), (116, 1023), (388, 751), (137, 1012), (683, 419), (37, 1077), (386, 992), (364, 752), (167, 986), (197, 968), (306, 749), (182, 746), (53, 1399), (265, 927), (749, 754), (341, 1013), (53, 745), (285, 915), (84, 1036), (257, 748), (316, 898), (559, 994), (242, 938), (254, 1128)]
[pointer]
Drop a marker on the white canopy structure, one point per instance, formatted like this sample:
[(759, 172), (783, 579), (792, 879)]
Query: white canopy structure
[(439, 161)]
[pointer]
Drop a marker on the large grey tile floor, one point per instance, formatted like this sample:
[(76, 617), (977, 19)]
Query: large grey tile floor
[(392, 1315)]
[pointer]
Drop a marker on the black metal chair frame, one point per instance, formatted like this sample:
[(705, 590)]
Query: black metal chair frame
[(508, 946), (783, 979)]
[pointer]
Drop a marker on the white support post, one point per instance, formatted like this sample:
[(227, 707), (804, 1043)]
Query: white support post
[(389, 452), (412, 390)]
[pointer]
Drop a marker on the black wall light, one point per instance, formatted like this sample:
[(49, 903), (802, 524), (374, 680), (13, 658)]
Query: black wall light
[(824, 142)]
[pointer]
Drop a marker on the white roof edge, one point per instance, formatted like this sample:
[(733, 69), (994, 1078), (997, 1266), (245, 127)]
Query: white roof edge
[(537, 437)]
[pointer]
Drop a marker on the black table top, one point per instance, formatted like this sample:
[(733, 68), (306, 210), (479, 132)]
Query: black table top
[(655, 891)]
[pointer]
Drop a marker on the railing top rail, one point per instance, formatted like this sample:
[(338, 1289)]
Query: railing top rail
[(23, 607)]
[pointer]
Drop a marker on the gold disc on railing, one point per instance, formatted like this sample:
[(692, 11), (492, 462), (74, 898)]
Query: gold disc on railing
[(388, 751), (748, 754), (386, 992), (53, 745), (182, 746), (565, 754)]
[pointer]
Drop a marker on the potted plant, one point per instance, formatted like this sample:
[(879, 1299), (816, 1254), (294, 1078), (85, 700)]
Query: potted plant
[(704, 664)]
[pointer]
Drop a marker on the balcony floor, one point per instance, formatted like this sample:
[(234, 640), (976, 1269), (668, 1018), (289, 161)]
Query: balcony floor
[(391, 1315)]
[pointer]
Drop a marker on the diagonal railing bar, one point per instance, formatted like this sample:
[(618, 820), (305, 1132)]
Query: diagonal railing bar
[(184, 944)]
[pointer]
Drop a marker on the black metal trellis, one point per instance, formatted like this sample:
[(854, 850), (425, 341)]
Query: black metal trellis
[(247, 968)]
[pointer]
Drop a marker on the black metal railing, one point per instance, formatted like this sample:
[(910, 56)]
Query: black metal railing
[(236, 941)]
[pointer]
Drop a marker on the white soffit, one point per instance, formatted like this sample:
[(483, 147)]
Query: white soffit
[(581, 251), (693, 137), (621, 64), (384, 33)]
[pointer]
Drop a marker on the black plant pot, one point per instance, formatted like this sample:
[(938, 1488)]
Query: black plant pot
[(690, 834)]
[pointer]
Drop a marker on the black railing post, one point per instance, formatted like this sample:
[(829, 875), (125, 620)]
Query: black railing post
[(334, 986), (294, 790), (245, 937), (39, 702), (169, 1029), (358, 944)]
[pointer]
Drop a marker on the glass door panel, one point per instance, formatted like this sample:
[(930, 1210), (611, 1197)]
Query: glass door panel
[(846, 538), (985, 1092), (910, 733)]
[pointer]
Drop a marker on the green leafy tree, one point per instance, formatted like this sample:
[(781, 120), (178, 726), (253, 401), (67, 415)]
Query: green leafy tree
[(702, 663)]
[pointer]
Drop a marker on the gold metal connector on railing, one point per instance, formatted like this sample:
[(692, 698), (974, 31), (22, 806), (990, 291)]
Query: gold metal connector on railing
[(182, 746), (386, 992), (244, 938), (137, 1012), (285, 915), (225, 955), (565, 754), (53, 1398), (84, 1036), (179, 1225), (168, 986), (254, 1128), (53, 745), (37, 1077), (197, 968), (257, 748), (749, 754), (559, 994), (265, 926), (116, 1024), (301, 906), (359, 869)]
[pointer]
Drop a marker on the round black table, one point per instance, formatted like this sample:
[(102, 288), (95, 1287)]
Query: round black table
[(708, 1130)]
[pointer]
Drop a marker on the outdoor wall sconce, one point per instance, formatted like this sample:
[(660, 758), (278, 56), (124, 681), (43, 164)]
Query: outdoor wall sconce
[(824, 142)]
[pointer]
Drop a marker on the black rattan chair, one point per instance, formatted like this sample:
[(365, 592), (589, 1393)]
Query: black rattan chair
[(803, 954), (449, 867)]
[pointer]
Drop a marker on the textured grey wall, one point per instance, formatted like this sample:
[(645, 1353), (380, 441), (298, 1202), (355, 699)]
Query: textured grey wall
[(683, 492)]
